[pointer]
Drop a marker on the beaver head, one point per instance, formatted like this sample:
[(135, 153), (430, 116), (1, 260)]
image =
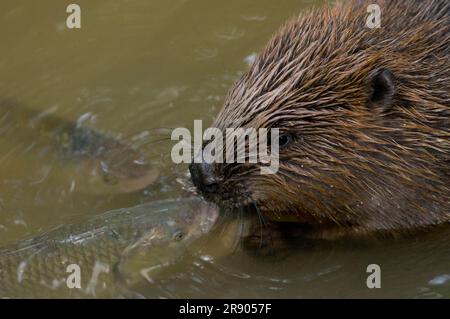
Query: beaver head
[(364, 120)]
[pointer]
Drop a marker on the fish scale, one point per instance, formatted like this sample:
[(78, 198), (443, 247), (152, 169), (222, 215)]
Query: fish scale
[(38, 266)]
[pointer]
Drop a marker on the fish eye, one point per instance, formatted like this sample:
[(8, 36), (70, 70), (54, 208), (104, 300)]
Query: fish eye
[(179, 235), (284, 139)]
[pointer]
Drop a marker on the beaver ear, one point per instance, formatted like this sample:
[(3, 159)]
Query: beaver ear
[(382, 89)]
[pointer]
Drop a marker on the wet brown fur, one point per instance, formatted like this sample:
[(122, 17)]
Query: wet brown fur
[(355, 165)]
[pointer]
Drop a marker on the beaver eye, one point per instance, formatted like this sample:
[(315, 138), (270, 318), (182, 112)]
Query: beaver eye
[(284, 139), (178, 236)]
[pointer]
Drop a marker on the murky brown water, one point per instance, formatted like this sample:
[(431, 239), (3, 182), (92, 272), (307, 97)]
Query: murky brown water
[(139, 67)]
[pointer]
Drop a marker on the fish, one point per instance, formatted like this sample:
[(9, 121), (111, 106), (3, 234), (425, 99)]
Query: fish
[(94, 161), (89, 258)]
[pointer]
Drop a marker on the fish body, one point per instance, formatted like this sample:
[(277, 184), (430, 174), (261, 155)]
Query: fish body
[(94, 161), (48, 265)]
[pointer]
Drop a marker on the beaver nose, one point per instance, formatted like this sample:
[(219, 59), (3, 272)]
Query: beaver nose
[(203, 177)]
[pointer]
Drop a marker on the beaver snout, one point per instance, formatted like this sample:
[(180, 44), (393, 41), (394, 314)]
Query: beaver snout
[(204, 178)]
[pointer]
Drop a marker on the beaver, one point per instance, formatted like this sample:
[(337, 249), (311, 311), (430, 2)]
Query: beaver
[(364, 120)]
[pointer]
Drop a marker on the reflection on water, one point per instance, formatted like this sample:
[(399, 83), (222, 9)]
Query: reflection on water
[(140, 68)]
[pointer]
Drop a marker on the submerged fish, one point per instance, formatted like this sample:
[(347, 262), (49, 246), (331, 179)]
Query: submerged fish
[(94, 162), (100, 249)]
